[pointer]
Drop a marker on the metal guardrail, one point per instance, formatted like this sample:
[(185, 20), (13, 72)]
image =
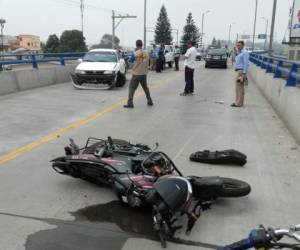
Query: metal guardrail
[(279, 66), (34, 59)]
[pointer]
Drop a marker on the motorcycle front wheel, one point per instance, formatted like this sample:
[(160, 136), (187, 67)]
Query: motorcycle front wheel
[(233, 188)]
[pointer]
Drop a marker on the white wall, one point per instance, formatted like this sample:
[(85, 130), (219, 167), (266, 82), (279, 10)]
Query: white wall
[(285, 100)]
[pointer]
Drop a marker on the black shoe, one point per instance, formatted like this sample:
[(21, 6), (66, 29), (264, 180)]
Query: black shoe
[(130, 106), (183, 94), (234, 105), (150, 103)]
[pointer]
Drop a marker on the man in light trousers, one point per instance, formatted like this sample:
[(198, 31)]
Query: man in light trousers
[(241, 68)]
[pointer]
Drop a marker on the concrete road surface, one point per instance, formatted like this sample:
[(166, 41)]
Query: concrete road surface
[(40, 209)]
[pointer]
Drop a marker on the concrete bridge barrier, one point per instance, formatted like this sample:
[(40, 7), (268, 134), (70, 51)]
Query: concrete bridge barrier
[(284, 99), (14, 81)]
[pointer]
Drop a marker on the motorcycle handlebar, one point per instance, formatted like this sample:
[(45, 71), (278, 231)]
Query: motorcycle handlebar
[(266, 238)]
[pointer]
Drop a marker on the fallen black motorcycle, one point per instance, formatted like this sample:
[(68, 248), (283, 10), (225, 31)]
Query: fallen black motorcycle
[(143, 177)]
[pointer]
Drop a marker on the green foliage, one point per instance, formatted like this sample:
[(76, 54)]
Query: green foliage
[(190, 32), (52, 45), (106, 41), (72, 41), (214, 42), (163, 30)]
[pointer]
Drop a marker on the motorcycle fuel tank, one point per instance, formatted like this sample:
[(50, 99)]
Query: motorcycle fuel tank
[(174, 191)]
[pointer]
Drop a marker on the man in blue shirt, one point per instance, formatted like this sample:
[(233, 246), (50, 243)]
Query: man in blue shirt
[(241, 68)]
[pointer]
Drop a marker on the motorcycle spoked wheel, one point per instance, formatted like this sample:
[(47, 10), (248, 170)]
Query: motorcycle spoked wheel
[(233, 188)]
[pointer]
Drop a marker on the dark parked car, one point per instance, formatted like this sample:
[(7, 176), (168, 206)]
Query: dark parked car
[(216, 58)]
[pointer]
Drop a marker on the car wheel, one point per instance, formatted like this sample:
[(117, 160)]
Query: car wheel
[(121, 80), (206, 66)]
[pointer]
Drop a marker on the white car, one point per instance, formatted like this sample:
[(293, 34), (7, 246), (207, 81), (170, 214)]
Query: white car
[(102, 68)]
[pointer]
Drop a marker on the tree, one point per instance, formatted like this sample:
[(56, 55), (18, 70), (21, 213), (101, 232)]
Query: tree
[(52, 45), (190, 32), (219, 45), (72, 41), (43, 47), (214, 42), (163, 30), (106, 42)]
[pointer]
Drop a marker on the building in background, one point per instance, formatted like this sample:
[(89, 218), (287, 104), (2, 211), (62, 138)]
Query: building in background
[(9, 43), (31, 43), (21, 43)]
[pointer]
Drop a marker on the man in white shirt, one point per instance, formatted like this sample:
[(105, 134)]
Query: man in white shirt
[(190, 65)]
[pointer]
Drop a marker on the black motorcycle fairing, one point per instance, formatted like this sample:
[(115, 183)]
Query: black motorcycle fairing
[(173, 190)]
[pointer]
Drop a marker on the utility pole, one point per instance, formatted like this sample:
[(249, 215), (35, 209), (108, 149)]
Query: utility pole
[(272, 28), (229, 34), (145, 23), (266, 33), (82, 9), (255, 16), (202, 28), (115, 26), (177, 34)]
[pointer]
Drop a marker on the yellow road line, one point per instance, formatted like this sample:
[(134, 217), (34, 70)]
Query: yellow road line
[(50, 137)]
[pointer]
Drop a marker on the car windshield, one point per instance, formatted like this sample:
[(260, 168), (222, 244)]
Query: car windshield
[(217, 51), (100, 56)]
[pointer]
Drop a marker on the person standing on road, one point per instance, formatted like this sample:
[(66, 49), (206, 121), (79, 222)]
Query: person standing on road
[(139, 74), (190, 65), (159, 61), (177, 56), (153, 58), (241, 68)]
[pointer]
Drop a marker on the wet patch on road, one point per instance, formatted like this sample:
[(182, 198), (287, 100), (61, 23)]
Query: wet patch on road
[(104, 226)]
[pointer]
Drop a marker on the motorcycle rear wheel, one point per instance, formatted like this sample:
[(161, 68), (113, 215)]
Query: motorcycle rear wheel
[(233, 188)]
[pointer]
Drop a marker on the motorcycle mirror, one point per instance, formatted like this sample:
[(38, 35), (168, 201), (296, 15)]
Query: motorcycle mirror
[(157, 144)]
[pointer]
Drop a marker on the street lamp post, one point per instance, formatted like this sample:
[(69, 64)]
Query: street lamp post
[(2, 22), (254, 26), (266, 33), (202, 26)]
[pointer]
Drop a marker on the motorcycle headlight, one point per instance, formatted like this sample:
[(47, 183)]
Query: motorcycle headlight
[(82, 72), (108, 72)]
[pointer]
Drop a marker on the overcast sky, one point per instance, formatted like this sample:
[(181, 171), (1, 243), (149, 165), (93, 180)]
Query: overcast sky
[(44, 17)]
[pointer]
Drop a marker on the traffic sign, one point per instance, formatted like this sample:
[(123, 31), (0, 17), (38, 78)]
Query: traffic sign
[(262, 36)]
